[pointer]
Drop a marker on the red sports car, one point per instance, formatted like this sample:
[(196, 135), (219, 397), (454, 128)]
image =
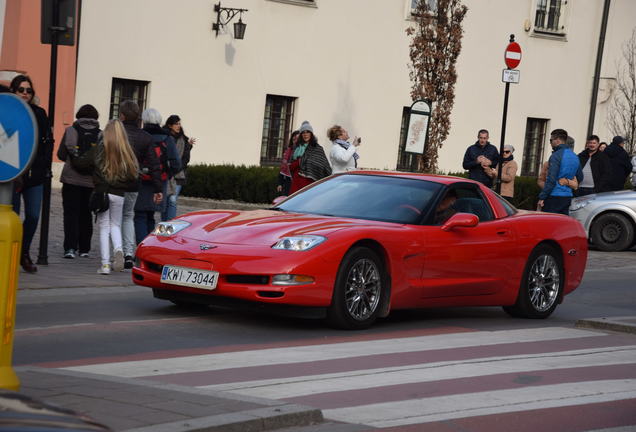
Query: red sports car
[(354, 246)]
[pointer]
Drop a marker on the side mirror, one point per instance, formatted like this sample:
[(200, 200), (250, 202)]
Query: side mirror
[(278, 200), (461, 220)]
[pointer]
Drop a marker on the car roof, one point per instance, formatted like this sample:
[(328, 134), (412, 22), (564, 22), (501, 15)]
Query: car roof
[(443, 179)]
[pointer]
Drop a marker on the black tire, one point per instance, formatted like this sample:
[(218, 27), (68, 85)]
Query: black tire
[(612, 232), (358, 293), (541, 284)]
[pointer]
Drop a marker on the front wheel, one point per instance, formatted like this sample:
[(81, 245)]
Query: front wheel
[(541, 284), (360, 285), (612, 232)]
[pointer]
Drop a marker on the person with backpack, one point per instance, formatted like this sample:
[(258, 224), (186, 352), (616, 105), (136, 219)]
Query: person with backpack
[(169, 164), (78, 144), (116, 172)]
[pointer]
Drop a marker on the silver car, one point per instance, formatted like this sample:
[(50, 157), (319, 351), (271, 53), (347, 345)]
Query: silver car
[(609, 219)]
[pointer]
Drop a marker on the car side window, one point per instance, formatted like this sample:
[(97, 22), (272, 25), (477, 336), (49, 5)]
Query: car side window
[(469, 200)]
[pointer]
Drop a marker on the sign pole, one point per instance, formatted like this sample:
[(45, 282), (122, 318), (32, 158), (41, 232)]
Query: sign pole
[(18, 144), (503, 138), (512, 58), (43, 258)]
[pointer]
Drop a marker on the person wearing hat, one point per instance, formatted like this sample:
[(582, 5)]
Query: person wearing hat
[(508, 173), (620, 164), (308, 162)]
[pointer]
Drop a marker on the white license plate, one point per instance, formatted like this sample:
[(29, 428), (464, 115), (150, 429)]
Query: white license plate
[(204, 279)]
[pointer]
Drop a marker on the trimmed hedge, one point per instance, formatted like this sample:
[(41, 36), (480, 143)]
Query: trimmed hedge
[(251, 184), (255, 184)]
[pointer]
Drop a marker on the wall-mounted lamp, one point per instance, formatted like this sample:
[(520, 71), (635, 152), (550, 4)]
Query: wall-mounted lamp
[(228, 15)]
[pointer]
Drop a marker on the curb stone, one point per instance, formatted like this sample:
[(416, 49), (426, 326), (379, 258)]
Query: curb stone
[(625, 324)]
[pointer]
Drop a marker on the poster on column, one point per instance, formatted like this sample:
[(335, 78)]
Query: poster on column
[(417, 135)]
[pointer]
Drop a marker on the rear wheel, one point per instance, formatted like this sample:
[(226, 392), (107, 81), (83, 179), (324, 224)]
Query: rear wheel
[(541, 284), (360, 285), (612, 232)]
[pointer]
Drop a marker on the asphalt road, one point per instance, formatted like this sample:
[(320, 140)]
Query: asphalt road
[(77, 323)]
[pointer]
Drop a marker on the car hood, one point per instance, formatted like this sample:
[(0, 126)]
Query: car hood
[(263, 227)]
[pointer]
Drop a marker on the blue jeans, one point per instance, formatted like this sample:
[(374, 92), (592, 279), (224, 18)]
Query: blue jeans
[(557, 204), (144, 224), (169, 205), (32, 197)]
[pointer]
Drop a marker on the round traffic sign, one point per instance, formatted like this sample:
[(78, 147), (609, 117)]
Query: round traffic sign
[(512, 57), (18, 136)]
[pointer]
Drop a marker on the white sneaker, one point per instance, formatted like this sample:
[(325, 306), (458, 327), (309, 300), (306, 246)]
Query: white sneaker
[(118, 261), (104, 269)]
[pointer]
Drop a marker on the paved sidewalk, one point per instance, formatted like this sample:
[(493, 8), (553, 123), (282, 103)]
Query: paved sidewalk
[(141, 406)]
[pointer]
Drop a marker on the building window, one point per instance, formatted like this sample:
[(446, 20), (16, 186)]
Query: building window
[(311, 3), (124, 89), (277, 127), (549, 17), (533, 147), (432, 5), (406, 161)]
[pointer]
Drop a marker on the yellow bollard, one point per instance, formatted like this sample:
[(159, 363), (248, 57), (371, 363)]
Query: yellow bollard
[(10, 246)]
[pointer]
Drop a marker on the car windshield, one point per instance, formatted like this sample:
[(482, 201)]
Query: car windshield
[(361, 196)]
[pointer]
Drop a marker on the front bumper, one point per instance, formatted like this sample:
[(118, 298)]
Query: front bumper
[(245, 272)]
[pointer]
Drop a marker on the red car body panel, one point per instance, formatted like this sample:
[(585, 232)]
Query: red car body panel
[(428, 267)]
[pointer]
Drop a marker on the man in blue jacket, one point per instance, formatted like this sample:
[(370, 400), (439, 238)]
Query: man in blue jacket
[(479, 156), (556, 198)]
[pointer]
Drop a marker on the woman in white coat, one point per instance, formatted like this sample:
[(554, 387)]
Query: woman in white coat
[(343, 156)]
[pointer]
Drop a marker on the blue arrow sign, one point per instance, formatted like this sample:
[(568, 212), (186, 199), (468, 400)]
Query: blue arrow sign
[(18, 136)]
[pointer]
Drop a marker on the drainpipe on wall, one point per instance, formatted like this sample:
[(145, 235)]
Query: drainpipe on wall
[(597, 68)]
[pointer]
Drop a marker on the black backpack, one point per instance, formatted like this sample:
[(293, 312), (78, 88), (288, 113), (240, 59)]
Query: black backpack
[(83, 155)]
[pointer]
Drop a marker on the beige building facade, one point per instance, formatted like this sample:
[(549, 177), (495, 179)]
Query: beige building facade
[(345, 62)]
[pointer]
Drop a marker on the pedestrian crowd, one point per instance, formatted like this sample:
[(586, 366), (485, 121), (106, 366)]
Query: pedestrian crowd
[(127, 172), (120, 176), (598, 168)]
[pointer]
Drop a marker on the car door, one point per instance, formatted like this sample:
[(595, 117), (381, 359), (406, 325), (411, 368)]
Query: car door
[(468, 261)]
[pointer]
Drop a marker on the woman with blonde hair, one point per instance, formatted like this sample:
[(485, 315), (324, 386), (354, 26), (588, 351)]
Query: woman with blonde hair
[(116, 172)]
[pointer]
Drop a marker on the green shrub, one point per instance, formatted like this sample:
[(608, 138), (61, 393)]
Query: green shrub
[(251, 184)]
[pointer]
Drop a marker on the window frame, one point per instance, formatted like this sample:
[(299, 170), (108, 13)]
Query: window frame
[(558, 31), (141, 85), (305, 3), (526, 169), (266, 159), (410, 9)]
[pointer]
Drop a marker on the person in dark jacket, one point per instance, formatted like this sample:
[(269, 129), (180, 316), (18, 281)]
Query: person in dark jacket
[(29, 187), (184, 147), (596, 168), (619, 163), (171, 164), (76, 186), (479, 157), (308, 162), (141, 143), (563, 163), (284, 174)]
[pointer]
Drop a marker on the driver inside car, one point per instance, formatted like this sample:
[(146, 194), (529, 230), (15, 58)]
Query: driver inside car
[(445, 208)]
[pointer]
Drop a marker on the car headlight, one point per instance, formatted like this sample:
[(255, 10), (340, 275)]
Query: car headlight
[(299, 243), (579, 203), (168, 228)]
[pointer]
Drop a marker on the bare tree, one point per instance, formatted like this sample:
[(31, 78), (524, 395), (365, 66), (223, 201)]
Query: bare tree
[(434, 48), (622, 111)]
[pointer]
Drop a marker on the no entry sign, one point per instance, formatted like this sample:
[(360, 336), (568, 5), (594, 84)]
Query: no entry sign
[(512, 55)]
